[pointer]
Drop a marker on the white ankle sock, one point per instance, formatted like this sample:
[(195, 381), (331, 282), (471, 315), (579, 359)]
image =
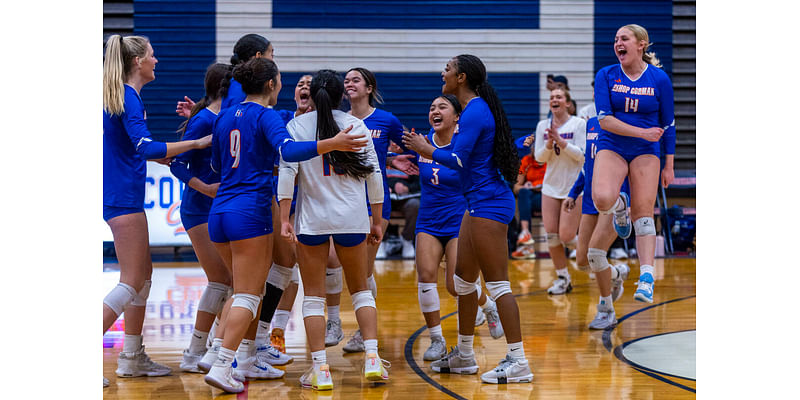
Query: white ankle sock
[(465, 345), (198, 343), (371, 346), (516, 351), (647, 268), (131, 343), (280, 319), (563, 272), (436, 332), (262, 333), (333, 313), (319, 357), (246, 348), (216, 343), (225, 357), (607, 300)]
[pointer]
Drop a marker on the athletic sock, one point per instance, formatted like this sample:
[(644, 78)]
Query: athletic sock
[(319, 357), (607, 300), (516, 351), (197, 345), (465, 345), (436, 332), (564, 272), (224, 357), (245, 349), (333, 313), (647, 269), (280, 319), (131, 343), (262, 334), (371, 346)]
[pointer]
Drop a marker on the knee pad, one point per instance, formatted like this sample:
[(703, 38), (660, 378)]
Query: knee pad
[(644, 226), (572, 244), (428, 297), (247, 301), (463, 287), (279, 276), (213, 298), (372, 285), (363, 299), (597, 260), (313, 306), (296, 275), (498, 288), (553, 240), (119, 297), (333, 280), (140, 300)]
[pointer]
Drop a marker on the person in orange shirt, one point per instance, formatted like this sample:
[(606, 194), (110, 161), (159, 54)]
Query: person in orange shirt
[(528, 189)]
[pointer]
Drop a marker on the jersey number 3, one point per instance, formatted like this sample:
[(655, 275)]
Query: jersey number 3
[(236, 146), (435, 179)]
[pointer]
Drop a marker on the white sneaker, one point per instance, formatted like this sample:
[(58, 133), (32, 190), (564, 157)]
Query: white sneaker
[(333, 332), (255, 368), (453, 363), (222, 378), (617, 287), (493, 320), (573, 254), (605, 317), (190, 360), (355, 344), (509, 371), (381, 254), (105, 382), (479, 317), (208, 359), (562, 285), (375, 368), (436, 350), (408, 249), (317, 378), (270, 355), (135, 364), (618, 254)]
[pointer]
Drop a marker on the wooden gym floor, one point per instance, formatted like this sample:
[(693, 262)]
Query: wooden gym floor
[(649, 355)]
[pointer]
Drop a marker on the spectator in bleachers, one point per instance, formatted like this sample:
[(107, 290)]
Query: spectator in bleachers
[(528, 189)]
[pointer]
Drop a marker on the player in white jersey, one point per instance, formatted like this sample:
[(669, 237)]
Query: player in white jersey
[(331, 203), (560, 142), (589, 110)]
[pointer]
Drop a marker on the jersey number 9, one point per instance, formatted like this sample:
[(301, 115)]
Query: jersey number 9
[(236, 144)]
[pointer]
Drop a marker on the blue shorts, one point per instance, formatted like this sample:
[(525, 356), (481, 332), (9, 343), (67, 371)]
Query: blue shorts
[(500, 207), (588, 203), (613, 142), (230, 226), (111, 211), (190, 220), (342, 239)]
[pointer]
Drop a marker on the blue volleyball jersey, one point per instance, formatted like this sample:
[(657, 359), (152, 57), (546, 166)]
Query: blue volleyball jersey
[(127, 145), (196, 164), (235, 95), (247, 139), (646, 102), (384, 127), (442, 204), (472, 154)]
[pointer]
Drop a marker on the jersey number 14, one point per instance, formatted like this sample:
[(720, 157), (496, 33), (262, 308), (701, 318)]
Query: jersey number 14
[(631, 105)]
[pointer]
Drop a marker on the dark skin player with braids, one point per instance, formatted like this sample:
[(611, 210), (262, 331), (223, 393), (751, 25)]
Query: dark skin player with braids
[(484, 155)]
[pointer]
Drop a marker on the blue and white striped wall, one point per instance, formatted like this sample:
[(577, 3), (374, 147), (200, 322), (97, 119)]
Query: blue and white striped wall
[(406, 43)]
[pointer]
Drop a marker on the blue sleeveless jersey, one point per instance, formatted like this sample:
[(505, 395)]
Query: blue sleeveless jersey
[(127, 145), (442, 204)]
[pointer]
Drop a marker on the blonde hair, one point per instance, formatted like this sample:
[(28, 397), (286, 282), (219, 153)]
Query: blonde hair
[(641, 34), (116, 66)]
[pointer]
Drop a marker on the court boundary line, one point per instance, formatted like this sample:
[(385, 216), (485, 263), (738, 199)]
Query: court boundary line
[(642, 367), (408, 350)]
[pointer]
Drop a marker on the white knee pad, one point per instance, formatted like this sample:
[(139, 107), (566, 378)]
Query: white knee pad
[(498, 288), (247, 301), (572, 244), (140, 300), (428, 297), (644, 226), (119, 297), (279, 276), (296, 275), (597, 260), (552, 239), (213, 298), (463, 287), (333, 280), (363, 299), (313, 306)]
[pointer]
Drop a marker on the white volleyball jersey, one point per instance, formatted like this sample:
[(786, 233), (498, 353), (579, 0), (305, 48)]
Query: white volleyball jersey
[(328, 202), (564, 166)]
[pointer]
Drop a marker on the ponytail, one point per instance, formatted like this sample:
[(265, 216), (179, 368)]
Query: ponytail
[(327, 89), (505, 152), (120, 53)]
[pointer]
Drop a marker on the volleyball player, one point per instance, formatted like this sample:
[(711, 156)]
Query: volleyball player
[(361, 88), (247, 138), (441, 209), (486, 159), (560, 143), (595, 235), (246, 48), (634, 101), (194, 169), (127, 145), (331, 203)]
